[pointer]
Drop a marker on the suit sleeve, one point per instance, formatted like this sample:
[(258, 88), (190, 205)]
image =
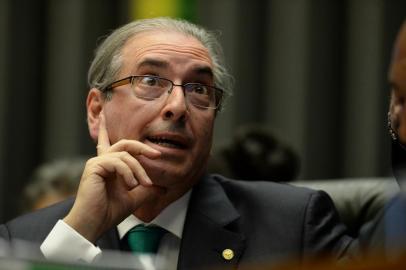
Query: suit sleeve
[(323, 231)]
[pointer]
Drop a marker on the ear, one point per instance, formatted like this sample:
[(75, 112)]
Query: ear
[(94, 103)]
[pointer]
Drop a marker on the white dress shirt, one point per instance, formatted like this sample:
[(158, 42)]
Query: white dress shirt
[(65, 244)]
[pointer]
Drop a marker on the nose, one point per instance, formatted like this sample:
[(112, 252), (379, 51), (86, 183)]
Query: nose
[(175, 107)]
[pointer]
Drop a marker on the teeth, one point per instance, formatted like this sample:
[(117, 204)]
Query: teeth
[(165, 142), (168, 144)]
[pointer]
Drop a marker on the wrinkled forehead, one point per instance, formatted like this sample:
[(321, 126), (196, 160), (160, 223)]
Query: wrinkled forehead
[(400, 46), (168, 47), (160, 41)]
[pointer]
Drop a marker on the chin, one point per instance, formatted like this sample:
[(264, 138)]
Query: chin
[(161, 173)]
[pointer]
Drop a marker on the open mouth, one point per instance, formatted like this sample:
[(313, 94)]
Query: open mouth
[(167, 142)]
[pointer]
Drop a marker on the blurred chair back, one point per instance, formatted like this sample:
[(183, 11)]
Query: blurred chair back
[(358, 200)]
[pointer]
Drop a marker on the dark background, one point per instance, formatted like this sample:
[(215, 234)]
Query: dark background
[(313, 71)]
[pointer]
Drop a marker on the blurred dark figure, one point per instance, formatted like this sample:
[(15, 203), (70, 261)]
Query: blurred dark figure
[(397, 109), (388, 234), (399, 161), (255, 153), (52, 182)]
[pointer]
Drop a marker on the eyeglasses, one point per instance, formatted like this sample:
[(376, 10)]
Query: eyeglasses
[(150, 87)]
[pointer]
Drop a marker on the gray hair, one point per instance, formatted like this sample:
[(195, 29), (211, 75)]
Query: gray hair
[(108, 59)]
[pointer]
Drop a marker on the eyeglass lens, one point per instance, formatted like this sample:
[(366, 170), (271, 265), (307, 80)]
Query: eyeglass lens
[(151, 87)]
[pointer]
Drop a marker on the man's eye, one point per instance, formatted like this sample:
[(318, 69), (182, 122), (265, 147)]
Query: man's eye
[(149, 81), (200, 89), (400, 100)]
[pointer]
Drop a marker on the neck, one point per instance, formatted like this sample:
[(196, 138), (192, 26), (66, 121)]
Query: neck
[(151, 209)]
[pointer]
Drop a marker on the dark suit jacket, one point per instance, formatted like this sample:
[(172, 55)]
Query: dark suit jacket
[(259, 221), (386, 235)]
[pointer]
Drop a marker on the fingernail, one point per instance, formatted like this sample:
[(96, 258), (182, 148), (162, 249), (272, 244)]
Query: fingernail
[(155, 151), (148, 180)]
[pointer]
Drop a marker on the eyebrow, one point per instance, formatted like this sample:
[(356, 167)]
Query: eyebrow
[(393, 86), (151, 62), (204, 70)]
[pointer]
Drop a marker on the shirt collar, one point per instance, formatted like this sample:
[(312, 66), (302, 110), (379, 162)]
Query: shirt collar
[(172, 218)]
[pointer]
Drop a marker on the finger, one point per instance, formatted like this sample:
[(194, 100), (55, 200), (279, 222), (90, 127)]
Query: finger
[(115, 165), (135, 148), (123, 170), (103, 141), (138, 171)]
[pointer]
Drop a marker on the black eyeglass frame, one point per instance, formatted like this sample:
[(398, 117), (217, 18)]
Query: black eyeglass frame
[(219, 93)]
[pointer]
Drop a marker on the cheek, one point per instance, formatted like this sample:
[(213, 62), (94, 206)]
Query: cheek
[(204, 131), (126, 121)]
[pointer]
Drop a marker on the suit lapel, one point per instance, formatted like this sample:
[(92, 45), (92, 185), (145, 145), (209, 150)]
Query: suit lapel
[(109, 240), (206, 234)]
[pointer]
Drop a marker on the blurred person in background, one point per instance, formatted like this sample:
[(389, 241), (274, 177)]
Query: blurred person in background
[(264, 155), (388, 233), (397, 110), (52, 182), (156, 86)]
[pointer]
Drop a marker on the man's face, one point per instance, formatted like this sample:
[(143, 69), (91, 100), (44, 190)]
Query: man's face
[(397, 79), (180, 131)]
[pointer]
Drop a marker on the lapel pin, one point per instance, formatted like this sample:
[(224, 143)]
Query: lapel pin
[(228, 254)]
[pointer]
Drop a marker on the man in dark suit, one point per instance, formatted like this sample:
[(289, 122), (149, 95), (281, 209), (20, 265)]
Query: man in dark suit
[(156, 87), (388, 234)]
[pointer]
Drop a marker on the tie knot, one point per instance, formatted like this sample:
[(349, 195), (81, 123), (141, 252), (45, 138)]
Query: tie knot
[(145, 239)]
